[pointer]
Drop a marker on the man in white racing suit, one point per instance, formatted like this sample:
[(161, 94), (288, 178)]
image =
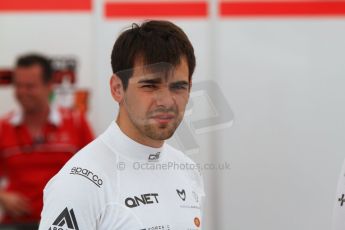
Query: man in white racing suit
[(129, 178)]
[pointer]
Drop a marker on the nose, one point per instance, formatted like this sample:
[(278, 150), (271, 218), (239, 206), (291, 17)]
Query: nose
[(20, 90), (164, 97)]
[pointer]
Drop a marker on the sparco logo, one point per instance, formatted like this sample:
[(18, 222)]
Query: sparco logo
[(154, 156), (65, 221), (135, 201), (88, 175)]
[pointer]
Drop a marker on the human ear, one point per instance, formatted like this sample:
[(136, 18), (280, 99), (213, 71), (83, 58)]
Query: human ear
[(116, 88)]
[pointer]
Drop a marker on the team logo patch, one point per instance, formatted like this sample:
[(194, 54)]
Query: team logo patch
[(154, 156), (197, 221), (88, 175), (144, 199), (65, 221), (181, 194)]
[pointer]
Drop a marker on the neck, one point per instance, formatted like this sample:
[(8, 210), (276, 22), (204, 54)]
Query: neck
[(132, 132), (36, 118)]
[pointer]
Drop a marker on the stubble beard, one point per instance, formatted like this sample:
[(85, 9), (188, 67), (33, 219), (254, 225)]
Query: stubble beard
[(160, 131), (155, 130)]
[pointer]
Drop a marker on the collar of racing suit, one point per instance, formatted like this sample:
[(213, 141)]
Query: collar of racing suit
[(130, 149)]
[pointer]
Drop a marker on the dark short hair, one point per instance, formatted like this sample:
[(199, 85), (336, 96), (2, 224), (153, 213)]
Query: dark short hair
[(154, 41), (29, 60)]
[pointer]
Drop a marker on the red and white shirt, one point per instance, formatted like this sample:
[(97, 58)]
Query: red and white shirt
[(28, 164)]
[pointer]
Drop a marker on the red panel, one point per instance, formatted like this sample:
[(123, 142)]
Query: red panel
[(45, 5), (6, 76), (283, 8), (156, 9)]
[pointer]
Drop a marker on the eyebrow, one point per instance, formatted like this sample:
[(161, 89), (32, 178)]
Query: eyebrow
[(158, 80), (180, 83), (150, 81)]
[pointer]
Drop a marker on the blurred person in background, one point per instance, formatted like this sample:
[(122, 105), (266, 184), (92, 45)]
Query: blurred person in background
[(35, 141)]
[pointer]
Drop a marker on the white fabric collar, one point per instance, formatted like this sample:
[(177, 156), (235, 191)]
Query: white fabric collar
[(128, 148), (54, 117)]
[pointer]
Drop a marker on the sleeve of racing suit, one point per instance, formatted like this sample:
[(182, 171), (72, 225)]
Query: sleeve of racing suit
[(71, 202)]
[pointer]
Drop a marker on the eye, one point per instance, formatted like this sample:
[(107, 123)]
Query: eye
[(179, 87), (149, 86)]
